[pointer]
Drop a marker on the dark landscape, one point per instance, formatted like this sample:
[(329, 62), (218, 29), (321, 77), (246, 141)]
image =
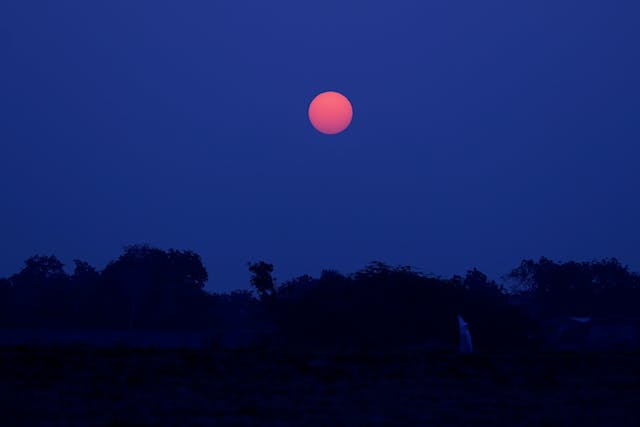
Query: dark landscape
[(111, 387), (142, 343)]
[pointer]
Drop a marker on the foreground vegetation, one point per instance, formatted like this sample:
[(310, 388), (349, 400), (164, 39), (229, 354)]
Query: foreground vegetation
[(378, 307), (375, 347), (82, 386)]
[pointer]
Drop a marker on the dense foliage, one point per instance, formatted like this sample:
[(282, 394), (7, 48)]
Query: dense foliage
[(377, 306), (605, 288), (382, 305)]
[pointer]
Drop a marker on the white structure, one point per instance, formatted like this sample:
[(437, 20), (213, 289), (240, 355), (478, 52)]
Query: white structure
[(466, 347)]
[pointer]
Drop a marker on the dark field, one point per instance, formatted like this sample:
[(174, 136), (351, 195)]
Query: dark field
[(81, 386)]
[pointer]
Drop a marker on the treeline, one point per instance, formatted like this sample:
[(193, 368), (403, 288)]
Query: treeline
[(382, 306), (378, 306), (598, 288), (144, 288)]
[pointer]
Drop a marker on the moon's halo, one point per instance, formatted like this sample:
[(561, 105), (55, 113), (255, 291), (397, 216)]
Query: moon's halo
[(330, 112)]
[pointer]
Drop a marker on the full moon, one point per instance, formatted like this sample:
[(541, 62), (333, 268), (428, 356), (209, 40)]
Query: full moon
[(330, 112)]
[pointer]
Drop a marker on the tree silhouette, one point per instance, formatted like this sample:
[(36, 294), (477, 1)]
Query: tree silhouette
[(262, 279), (578, 288), (85, 296), (40, 270), (41, 293), (84, 272), (152, 287), (493, 321), (186, 270)]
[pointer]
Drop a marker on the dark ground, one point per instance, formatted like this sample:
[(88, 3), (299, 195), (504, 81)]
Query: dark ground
[(82, 386)]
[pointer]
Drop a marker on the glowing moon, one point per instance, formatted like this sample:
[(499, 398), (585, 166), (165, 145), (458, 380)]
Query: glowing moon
[(330, 112)]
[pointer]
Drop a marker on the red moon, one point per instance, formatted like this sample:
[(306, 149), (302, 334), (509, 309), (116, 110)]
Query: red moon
[(330, 112)]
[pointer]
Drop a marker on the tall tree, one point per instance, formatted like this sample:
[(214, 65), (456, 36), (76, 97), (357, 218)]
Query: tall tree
[(159, 286), (262, 279), (41, 290)]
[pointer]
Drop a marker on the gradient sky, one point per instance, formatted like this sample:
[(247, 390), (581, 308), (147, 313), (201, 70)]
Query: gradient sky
[(484, 132)]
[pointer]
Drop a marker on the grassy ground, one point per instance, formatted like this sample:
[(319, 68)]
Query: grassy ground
[(76, 386)]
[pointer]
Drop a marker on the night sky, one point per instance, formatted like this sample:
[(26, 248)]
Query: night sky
[(484, 132)]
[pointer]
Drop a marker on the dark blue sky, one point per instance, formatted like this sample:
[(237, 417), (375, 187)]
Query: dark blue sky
[(484, 132)]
